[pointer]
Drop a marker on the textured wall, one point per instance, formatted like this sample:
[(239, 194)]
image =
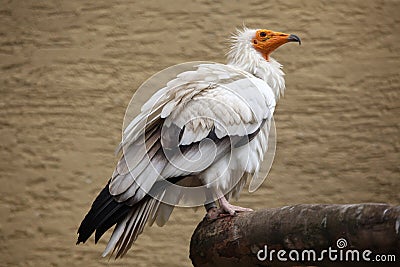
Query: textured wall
[(68, 71)]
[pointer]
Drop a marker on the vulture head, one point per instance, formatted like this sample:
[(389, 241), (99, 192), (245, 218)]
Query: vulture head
[(266, 41), (251, 45)]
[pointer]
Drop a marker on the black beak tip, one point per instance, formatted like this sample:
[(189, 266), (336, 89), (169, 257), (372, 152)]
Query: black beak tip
[(294, 38)]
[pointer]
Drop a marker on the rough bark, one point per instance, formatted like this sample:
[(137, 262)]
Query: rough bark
[(235, 241)]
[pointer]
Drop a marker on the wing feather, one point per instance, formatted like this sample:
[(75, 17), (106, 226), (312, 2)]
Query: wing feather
[(198, 114), (214, 97)]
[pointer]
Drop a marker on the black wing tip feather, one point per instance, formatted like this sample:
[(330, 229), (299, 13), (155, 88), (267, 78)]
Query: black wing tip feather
[(103, 214)]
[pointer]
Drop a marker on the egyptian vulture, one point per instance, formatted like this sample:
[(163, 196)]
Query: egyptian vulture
[(218, 113)]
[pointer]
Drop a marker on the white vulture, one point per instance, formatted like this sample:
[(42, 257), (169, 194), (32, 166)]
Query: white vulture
[(222, 112)]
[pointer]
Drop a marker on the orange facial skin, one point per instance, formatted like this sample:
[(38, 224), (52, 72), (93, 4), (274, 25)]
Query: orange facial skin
[(267, 41)]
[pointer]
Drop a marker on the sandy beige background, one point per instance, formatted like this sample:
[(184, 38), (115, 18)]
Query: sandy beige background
[(69, 69)]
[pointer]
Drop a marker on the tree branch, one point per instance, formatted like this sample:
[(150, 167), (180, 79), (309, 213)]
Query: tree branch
[(236, 241)]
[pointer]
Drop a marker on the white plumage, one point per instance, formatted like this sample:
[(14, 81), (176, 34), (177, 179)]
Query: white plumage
[(231, 105)]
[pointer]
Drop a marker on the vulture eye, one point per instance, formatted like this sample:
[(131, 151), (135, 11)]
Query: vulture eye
[(263, 34)]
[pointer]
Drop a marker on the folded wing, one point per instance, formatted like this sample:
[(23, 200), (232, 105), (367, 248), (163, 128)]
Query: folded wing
[(199, 113)]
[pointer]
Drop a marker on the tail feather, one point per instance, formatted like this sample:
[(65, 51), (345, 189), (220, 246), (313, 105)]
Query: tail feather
[(116, 235), (134, 227), (130, 232), (109, 220), (154, 213), (105, 211), (130, 220)]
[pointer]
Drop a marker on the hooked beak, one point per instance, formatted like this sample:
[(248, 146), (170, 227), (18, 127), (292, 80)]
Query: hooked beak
[(267, 41), (294, 38)]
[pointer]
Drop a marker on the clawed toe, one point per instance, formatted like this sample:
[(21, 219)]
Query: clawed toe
[(229, 208), (241, 209), (226, 209), (232, 210), (215, 213)]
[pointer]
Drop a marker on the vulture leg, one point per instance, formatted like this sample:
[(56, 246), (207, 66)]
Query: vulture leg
[(225, 209), (209, 203), (209, 206)]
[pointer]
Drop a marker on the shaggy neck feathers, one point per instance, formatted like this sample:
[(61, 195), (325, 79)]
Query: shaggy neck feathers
[(244, 56)]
